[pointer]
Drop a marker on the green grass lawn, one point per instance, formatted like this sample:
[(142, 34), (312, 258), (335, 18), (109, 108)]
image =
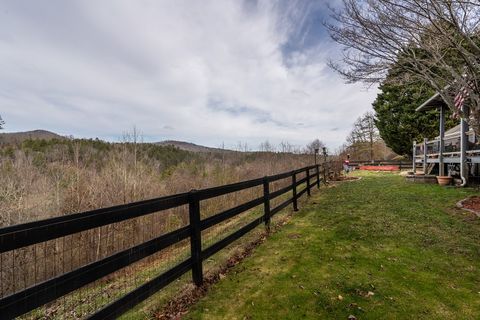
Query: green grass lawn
[(377, 248)]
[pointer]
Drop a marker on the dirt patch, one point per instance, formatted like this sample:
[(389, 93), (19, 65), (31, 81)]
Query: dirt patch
[(379, 168), (345, 178), (190, 294), (471, 204), (294, 236)]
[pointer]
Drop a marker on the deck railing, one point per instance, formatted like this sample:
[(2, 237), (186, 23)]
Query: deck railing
[(402, 164), (452, 145)]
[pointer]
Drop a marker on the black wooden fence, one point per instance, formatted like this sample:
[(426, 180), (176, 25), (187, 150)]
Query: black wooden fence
[(19, 236), (402, 164)]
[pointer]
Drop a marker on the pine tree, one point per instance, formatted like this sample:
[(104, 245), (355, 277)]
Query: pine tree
[(398, 122)]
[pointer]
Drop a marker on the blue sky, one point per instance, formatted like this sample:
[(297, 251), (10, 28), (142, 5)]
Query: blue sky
[(209, 72)]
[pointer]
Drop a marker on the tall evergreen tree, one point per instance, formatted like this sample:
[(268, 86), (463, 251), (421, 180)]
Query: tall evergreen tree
[(396, 119), (438, 41)]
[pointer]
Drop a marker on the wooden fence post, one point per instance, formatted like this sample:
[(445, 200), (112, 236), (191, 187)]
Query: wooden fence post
[(294, 189), (195, 238), (308, 181), (266, 202), (324, 166), (318, 175)]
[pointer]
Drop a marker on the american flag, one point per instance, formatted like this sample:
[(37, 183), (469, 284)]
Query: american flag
[(460, 98)]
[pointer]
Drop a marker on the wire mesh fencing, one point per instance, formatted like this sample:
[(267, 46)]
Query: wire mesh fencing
[(101, 263)]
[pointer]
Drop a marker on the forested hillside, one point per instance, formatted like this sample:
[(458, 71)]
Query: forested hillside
[(44, 178)]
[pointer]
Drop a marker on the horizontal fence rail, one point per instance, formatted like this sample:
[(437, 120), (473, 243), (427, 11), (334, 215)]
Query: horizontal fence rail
[(15, 237), (400, 163)]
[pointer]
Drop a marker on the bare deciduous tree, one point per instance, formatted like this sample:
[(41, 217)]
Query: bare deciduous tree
[(434, 41), (242, 146), (285, 147), (314, 145), (364, 134), (266, 146)]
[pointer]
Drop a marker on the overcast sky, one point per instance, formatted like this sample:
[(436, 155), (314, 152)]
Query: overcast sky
[(208, 72)]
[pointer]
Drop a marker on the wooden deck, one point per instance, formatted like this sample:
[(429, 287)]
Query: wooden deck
[(446, 158)]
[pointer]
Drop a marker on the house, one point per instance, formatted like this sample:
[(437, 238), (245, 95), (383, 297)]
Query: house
[(455, 152)]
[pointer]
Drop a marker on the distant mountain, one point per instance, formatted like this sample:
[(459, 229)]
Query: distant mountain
[(188, 146), (16, 137)]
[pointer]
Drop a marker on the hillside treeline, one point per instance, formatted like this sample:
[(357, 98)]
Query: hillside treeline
[(44, 178)]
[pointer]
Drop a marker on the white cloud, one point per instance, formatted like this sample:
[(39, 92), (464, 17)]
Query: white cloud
[(202, 71)]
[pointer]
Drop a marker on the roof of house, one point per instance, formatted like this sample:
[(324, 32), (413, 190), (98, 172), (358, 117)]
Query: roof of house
[(453, 131), (450, 131)]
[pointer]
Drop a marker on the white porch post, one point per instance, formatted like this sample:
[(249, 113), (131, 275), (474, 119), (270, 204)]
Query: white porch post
[(442, 142), (463, 146), (425, 156), (414, 153)]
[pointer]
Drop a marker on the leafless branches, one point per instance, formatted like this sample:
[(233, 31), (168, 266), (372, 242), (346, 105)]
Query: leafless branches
[(364, 134), (434, 41)]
